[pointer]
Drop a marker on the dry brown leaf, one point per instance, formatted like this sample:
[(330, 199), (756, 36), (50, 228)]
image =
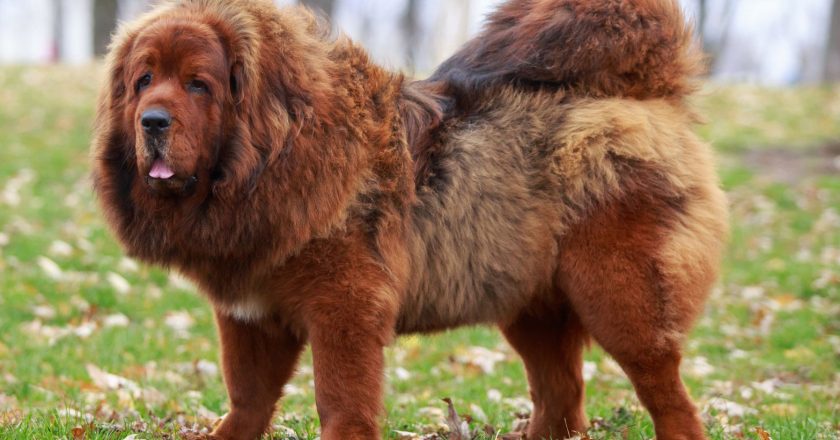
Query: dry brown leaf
[(78, 433), (458, 429), (520, 425), (11, 417), (762, 434)]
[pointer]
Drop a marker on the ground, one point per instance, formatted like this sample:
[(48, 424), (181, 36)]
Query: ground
[(94, 345)]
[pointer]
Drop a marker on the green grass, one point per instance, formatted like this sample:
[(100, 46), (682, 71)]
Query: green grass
[(766, 353)]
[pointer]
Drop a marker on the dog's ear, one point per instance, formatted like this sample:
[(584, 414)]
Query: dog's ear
[(116, 89), (110, 135), (112, 146), (236, 83), (248, 145)]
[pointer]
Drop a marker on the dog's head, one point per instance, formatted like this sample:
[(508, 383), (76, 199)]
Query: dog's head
[(198, 99), (180, 82)]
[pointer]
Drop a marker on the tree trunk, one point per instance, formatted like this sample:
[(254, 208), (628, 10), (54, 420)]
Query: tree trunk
[(832, 55), (325, 6), (104, 23), (58, 31), (411, 28), (715, 43)]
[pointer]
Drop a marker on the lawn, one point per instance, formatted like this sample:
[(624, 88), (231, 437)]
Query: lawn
[(94, 345)]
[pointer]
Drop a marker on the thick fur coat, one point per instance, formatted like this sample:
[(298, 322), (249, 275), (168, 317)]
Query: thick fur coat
[(545, 180)]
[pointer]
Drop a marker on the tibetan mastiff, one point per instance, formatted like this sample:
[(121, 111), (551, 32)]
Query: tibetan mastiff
[(545, 179)]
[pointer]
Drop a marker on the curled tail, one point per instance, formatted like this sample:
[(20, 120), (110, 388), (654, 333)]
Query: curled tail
[(629, 48)]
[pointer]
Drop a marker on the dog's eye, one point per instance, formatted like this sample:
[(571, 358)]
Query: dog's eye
[(198, 86), (144, 82)]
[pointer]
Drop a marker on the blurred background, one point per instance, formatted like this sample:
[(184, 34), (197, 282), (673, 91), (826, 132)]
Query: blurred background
[(765, 41), (94, 345)]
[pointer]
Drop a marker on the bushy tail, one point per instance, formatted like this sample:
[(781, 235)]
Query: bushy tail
[(629, 48)]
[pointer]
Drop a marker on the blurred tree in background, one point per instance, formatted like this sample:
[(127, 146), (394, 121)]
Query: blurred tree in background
[(714, 43), (326, 6), (778, 42), (832, 56), (104, 23)]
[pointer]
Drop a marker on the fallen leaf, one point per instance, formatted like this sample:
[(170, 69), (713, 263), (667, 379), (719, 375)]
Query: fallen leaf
[(108, 381), (520, 425), (115, 320), (206, 368), (405, 435), (120, 284), (128, 265), (50, 268), (729, 408), (698, 367), (751, 293), (179, 282), (60, 248), (401, 373), (180, 322), (286, 432), (762, 434), (589, 370), (783, 409), (478, 413), (481, 357), (458, 429), (78, 433), (520, 405), (44, 312)]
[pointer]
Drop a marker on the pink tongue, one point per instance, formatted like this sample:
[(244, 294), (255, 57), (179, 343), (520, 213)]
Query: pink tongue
[(160, 170)]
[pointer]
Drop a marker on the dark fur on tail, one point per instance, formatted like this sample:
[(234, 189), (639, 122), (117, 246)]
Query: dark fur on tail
[(639, 49), (628, 48)]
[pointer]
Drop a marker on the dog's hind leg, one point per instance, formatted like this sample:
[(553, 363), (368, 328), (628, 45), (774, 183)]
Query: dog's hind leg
[(637, 274), (551, 345)]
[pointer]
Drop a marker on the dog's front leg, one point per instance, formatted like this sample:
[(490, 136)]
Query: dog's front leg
[(348, 330), (257, 362)]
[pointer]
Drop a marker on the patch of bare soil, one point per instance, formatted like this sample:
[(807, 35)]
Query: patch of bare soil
[(792, 165)]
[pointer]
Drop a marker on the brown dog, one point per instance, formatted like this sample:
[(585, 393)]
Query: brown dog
[(545, 179)]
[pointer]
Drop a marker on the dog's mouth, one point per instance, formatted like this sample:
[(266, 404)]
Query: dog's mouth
[(164, 181), (161, 170)]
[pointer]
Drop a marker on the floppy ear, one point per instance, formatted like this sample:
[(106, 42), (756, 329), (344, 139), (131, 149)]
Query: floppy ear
[(247, 144), (116, 90), (112, 147), (110, 135), (278, 82), (235, 84)]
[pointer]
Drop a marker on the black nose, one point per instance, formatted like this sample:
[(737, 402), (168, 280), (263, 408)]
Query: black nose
[(155, 121)]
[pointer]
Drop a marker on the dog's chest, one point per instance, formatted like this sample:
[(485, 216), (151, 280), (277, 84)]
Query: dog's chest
[(250, 308)]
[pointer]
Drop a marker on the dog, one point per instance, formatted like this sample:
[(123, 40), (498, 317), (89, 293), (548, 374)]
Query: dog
[(545, 179)]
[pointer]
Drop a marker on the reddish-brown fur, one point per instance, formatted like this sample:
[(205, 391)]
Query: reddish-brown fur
[(545, 179)]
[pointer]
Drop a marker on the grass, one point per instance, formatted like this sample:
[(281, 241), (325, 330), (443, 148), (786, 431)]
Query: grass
[(93, 345)]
